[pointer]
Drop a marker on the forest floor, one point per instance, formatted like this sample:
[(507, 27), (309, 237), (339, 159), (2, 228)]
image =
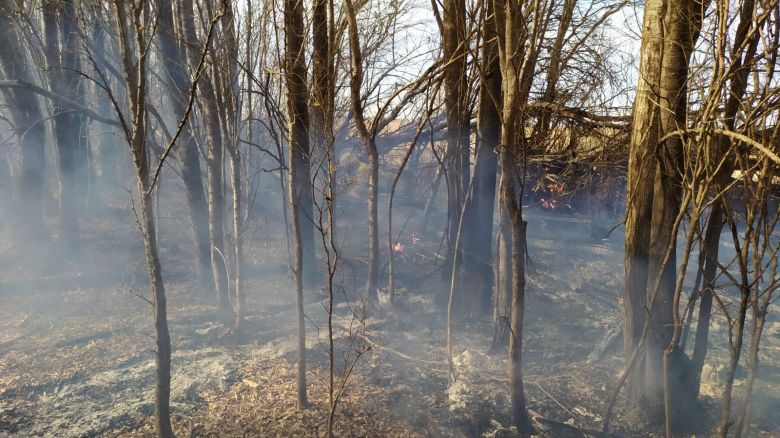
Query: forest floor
[(76, 343)]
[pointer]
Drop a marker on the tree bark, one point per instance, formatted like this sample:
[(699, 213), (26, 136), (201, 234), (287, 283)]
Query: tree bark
[(322, 105), (639, 193), (300, 186), (26, 219), (62, 64), (106, 148), (298, 116), (214, 171), (373, 221), (518, 250), (478, 234), (135, 76), (456, 98), (517, 54), (163, 351), (70, 43), (709, 251), (369, 144), (322, 83), (502, 310), (240, 293), (669, 32), (742, 55), (230, 91), (174, 61)]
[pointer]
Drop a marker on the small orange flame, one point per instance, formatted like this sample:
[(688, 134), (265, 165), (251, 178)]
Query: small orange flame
[(552, 203), (398, 247)]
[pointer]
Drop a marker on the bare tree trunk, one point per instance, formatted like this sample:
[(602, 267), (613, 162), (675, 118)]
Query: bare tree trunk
[(322, 93), (300, 186), (478, 234), (503, 297), (517, 392), (103, 147), (216, 197), (742, 55), (163, 351), (517, 51), (516, 223), (174, 62), (27, 218), (373, 222), (369, 144), (518, 228), (736, 350), (108, 147), (189, 161), (709, 251), (322, 105), (240, 293), (134, 64), (669, 32), (456, 98), (298, 258), (641, 169), (70, 41), (235, 170), (214, 171), (759, 319), (227, 91), (62, 65)]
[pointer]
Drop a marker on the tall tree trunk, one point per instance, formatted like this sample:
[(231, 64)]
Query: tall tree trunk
[(26, 219), (502, 310), (682, 24), (517, 391), (456, 98), (174, 61), (742, 55), (71, 43), (235, 173), (216, 197), (321, 90), (517, 225), (322, 105), (517, 47), (159, 312), (232, 115), (669, 32), (214, 170), (300, 186), (369, 144), (373, 221), (189, 161), (134, 64), (298, 116), (105, 148), (478, 234), (67, 124), (641, 169)]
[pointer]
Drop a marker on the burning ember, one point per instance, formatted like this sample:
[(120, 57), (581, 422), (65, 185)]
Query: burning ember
[(556, 188), (398, 247), (552, 203)]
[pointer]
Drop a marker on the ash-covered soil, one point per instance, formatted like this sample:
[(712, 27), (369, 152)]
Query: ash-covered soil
[(76, 343)]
